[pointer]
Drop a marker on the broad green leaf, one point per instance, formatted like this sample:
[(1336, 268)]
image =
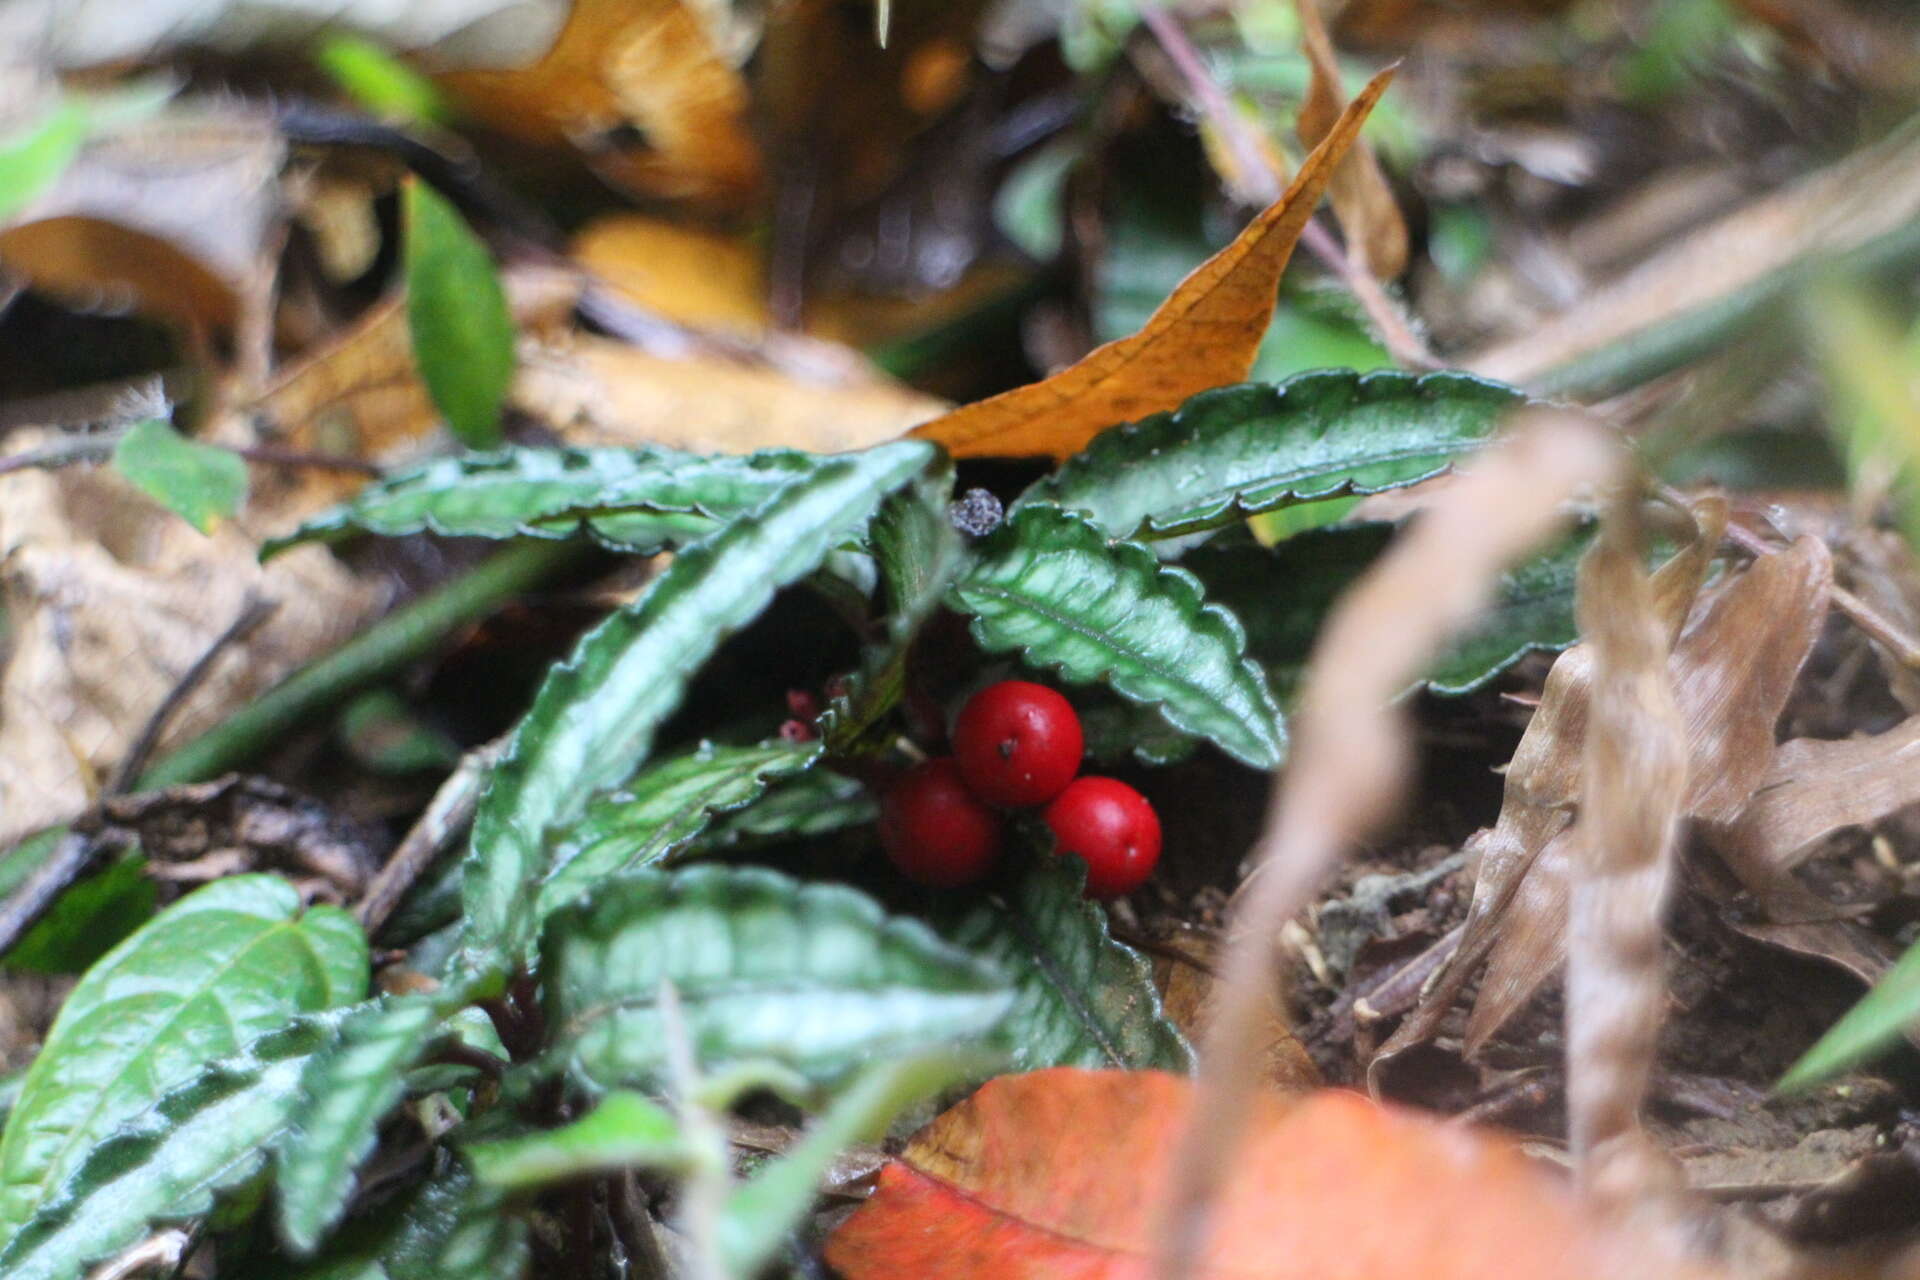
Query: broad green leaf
[(625, 1130), (593, 722), (166, 1161), (637, 500), (219, 967), (1867, 1029), (199, 483), (1235, 451), (811, 976), (345, 1094), (812, 804), (663, 808), (457, 314), (1081, 999), (1283, 594), (1049, 583), (447, 1228), (378, 81), (758, 1215), (1116, 729)]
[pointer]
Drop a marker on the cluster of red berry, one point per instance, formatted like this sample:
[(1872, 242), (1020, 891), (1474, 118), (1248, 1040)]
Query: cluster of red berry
[(1017, 745)]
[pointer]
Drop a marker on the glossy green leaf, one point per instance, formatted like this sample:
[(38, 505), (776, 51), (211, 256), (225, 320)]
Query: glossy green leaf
[(197, 482), (219, 967), (637, 500), (1234, 451), (593, 722), (625, 1130), (815, 977), (346, 1092), (1082, 999), (1866, 1030), (31, 160), (88, 920), (457, 314), (663, 808), (814, 803), (758, 1215), (1049, 584), (166, 1161), (1531, 612)]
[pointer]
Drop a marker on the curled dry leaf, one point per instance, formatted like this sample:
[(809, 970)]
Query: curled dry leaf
[(1058, 1173), (174, 215), (1351, 752), (1816, 788), (644, 67), (1204, 335), (111, 598), (1362, 200)]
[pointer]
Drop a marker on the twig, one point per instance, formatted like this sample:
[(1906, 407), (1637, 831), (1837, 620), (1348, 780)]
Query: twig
[(455, 1052), (94, 446), (1263, 185), (390, 644), (255, 611), (267, 455), (445, 817), (634, 1225), (1351, 757)]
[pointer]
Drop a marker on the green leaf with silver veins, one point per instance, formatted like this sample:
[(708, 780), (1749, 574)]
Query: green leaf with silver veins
[(814, 977), (1048, 583), (1233, 452)]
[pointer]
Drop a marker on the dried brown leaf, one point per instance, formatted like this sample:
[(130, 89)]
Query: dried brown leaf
[(1204, 335), (1350, 756), (1187, 991), (1815, 788), (1362, 200)]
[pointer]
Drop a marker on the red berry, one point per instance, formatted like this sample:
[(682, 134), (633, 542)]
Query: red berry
[(1018, 743), (934, 829), (1112, 827)]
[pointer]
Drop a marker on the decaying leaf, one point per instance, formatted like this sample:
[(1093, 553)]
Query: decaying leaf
[(1187, 993), (695, 277), (1204, 335), (1058, 1173), (111, 598), (1816, 788), (598, 391), (1362, 200), (645, 68)]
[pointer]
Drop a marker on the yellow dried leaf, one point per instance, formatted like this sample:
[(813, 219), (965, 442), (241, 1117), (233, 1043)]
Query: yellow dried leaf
[(1204, 335), (1362, 200)]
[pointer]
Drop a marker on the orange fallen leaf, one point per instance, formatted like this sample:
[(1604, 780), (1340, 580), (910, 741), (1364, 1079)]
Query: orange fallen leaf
[(648, 68), (1362, 200), (1057, 1175), (1204, 335)]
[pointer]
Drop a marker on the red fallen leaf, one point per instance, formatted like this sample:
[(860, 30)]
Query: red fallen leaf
[(1057, 1175)]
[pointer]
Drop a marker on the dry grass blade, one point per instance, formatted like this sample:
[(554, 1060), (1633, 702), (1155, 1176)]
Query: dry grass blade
[(1362, 200), (1636, 777), (1351, 756), (1204, 335)]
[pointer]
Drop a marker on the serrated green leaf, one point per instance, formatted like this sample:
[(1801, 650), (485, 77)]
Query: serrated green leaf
[(625, 1130), (199, 483), (1049, 584), (593, 722), (1081, 999), (663, 808), (345, 1094), (1235, 451), (757, 1216), (1116, 729), (457, 314), (1866, 1030), (217, 968), (1282, 595), (812, 804), (638, 500), (165, 1162), (812, 976)]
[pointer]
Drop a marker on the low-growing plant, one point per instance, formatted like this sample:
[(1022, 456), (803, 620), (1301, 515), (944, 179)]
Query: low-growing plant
[(612, 974)]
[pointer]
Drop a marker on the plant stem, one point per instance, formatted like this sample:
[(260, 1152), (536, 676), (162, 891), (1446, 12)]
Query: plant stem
[(390, 644)]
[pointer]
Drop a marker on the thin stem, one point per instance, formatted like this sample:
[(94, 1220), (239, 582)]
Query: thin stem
[(392, 643), (445, 817)]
